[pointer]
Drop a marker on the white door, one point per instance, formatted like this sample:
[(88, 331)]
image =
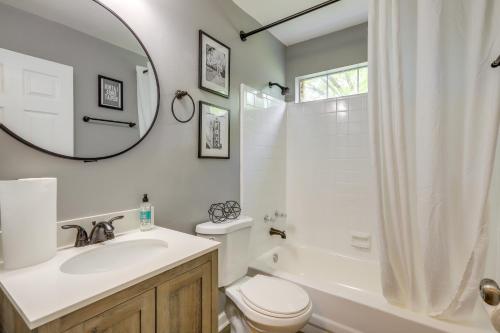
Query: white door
[(36, 101)]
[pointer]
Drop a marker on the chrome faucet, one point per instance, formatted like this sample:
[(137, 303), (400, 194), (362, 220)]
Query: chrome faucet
[(280, 233), (101, 232)]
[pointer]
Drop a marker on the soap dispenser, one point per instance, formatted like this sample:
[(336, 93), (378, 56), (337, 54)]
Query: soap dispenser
[(145, 214)]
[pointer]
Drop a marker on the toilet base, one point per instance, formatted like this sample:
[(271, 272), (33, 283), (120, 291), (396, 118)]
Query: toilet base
[(237, 320)]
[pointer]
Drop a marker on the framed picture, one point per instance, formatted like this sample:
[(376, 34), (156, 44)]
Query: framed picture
[(110, 93), (214, 67), (213, 137)]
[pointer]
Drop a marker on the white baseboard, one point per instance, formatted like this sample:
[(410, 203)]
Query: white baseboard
[(223, 321)]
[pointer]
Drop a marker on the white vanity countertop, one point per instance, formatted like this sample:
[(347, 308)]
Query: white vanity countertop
[(43, 293)]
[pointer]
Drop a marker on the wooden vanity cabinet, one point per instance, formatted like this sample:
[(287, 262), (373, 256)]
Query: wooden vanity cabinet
[(134, 316), (181, 300), (181, 305)]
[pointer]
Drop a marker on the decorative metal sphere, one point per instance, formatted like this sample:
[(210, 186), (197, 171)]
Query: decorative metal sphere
[(221, 212), (232, 210), (216, 213)]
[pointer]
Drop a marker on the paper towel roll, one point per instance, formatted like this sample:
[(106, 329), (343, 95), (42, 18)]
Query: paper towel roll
[(28, 216)]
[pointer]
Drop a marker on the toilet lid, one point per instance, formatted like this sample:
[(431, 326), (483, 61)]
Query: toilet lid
[(274, 296)]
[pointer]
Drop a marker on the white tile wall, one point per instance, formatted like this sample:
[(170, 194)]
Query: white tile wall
[(330, 187), (263, 164)]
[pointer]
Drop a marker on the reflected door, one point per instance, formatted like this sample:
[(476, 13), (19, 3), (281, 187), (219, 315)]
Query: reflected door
[(36, 101)]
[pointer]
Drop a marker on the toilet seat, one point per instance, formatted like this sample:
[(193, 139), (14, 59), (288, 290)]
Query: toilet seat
[(274, 297), (260, 318)]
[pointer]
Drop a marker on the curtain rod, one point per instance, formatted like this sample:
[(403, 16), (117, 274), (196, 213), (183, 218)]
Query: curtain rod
[(245, 35)]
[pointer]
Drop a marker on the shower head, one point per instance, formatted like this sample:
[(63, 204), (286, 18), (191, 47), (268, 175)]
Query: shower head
[(284, 90)]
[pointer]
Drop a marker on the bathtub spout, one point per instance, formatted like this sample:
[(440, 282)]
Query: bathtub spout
[(280, 233)]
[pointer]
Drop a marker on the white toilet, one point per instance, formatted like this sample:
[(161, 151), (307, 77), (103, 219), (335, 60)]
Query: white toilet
[(255, 304)]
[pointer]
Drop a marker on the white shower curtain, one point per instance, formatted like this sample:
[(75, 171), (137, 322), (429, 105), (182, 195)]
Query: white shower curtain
[(146, 97), (434, 104)]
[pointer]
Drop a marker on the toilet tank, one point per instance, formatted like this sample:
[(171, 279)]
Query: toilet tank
[(234, 237)]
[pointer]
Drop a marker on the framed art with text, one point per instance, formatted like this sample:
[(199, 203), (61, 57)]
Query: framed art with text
[(214, 130)]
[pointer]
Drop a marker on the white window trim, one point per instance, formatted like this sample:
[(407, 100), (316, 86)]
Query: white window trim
[(324, 73)]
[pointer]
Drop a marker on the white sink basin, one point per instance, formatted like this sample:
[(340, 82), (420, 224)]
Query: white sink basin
[(115, 256)]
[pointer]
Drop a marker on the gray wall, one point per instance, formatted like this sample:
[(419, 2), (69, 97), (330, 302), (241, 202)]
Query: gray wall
[(165, 165), (38, 37), (338, 49)]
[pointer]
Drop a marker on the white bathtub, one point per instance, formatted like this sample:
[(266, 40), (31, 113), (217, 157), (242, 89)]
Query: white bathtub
[(346, 294)]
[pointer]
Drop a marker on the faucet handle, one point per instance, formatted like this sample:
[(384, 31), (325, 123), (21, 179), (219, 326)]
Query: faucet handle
[(115, 218), (82, 238)]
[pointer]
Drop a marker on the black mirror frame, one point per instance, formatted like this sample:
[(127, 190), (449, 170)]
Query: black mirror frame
[(95, 159)]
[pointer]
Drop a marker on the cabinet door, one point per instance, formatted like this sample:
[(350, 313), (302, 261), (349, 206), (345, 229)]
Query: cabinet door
[(134, 316), (184, 304)]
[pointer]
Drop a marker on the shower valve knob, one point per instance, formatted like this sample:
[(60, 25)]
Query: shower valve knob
[(268, 219), (280, 214)]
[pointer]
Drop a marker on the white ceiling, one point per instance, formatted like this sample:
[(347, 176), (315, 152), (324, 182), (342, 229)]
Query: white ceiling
[(82, 15), (335, 17)]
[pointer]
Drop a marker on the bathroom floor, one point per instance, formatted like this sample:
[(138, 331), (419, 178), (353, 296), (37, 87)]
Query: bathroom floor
[(228, 330)]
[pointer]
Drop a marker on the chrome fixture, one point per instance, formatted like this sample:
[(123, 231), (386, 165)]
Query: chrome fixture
[(81, 236), (269, 219), (279, 214), (280, 233), (490, 292), (101, 232)]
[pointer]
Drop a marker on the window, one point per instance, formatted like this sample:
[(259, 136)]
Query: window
[(340, 82)]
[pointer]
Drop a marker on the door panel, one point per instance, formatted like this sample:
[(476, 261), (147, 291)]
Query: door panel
[(184, 304), (36, 97)]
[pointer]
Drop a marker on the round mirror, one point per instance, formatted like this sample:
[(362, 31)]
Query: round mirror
[(75, 81)]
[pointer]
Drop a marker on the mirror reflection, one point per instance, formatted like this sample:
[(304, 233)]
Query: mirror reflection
[(70, 86)]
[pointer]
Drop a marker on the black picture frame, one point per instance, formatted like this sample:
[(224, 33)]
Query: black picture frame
[(201, 69), (200, 131), (100, 78)]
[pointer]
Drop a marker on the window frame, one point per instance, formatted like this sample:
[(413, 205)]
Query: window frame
[(326, 74)]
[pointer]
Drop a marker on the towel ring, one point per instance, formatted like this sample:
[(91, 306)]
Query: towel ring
[(179, 94)]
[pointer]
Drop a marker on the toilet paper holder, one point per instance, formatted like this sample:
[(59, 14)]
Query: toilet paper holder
[(490, 292)]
